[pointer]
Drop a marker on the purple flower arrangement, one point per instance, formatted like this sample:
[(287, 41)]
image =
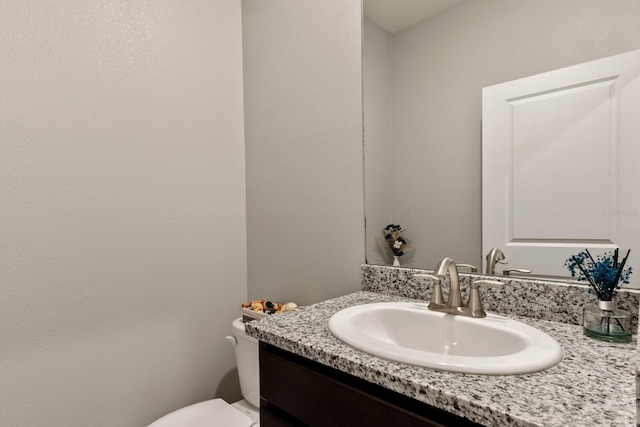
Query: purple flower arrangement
[(606, 273)]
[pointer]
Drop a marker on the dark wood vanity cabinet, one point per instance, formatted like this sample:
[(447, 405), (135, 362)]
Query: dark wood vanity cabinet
[(295, 391)]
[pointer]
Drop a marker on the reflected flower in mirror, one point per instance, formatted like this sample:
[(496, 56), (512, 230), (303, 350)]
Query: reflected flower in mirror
[(392, 245)]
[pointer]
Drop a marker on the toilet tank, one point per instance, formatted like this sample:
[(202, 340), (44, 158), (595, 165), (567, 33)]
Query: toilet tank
[(248, 363)]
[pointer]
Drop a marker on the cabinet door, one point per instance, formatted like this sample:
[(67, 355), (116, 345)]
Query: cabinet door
[(560, 157), (297, 391)]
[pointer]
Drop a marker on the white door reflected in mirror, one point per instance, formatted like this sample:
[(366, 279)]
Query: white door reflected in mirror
[(555, 149)]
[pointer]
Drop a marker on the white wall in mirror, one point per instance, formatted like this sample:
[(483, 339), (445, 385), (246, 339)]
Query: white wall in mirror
[(435, 77), (559, 157), (396, 15)]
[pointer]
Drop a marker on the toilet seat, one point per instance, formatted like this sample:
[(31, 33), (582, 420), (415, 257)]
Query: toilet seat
[(215, 412)]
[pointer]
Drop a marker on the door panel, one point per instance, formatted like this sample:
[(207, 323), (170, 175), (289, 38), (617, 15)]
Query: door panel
[(560, 163)]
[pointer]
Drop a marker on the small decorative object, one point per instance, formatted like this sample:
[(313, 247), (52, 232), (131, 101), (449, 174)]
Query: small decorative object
[(397, 244), (259, 308), (605, 274)]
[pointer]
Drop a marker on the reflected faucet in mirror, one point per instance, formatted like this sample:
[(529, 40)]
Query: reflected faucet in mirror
[(454, 304), (496, 256)]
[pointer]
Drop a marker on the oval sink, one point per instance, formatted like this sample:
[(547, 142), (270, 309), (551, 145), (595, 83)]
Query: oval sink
[(410, 333)]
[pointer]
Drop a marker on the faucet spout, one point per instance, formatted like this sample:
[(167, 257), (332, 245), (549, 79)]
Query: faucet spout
[(444, 266)]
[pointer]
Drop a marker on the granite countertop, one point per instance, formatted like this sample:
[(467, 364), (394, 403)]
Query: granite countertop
[(594, 385)]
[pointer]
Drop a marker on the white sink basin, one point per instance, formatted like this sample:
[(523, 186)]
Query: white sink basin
[(410, 333)]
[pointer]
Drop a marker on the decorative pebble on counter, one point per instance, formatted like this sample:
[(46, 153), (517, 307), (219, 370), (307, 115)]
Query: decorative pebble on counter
[(267, 307)]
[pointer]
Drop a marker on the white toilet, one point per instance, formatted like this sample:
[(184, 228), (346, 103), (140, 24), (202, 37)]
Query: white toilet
[(217, 412)]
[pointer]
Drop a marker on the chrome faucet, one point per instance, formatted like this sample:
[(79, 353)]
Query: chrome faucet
[(454, 304), (444, 266), (494, 256)]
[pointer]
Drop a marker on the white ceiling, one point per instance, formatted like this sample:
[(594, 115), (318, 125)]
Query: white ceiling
[(396, 15)]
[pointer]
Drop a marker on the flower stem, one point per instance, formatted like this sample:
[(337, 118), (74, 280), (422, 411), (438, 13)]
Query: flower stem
[(593, 285)]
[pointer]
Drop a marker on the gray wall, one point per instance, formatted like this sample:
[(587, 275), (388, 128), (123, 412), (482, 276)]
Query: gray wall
[(122, 208), (303, 133), (439, 68)]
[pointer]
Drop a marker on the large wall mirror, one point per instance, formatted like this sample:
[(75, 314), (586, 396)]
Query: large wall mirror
[(423, 110)]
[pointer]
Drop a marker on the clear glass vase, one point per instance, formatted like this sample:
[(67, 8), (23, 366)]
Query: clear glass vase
[(605, 322)]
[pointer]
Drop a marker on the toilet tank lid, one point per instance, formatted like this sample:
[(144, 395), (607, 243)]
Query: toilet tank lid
[(205, 414)]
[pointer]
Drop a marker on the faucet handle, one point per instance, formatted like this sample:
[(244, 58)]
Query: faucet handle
[(475, 302), (507, 271), (437, 297), (473, 268)]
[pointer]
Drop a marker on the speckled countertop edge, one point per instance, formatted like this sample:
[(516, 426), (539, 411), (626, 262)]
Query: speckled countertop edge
[(593, 385)]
